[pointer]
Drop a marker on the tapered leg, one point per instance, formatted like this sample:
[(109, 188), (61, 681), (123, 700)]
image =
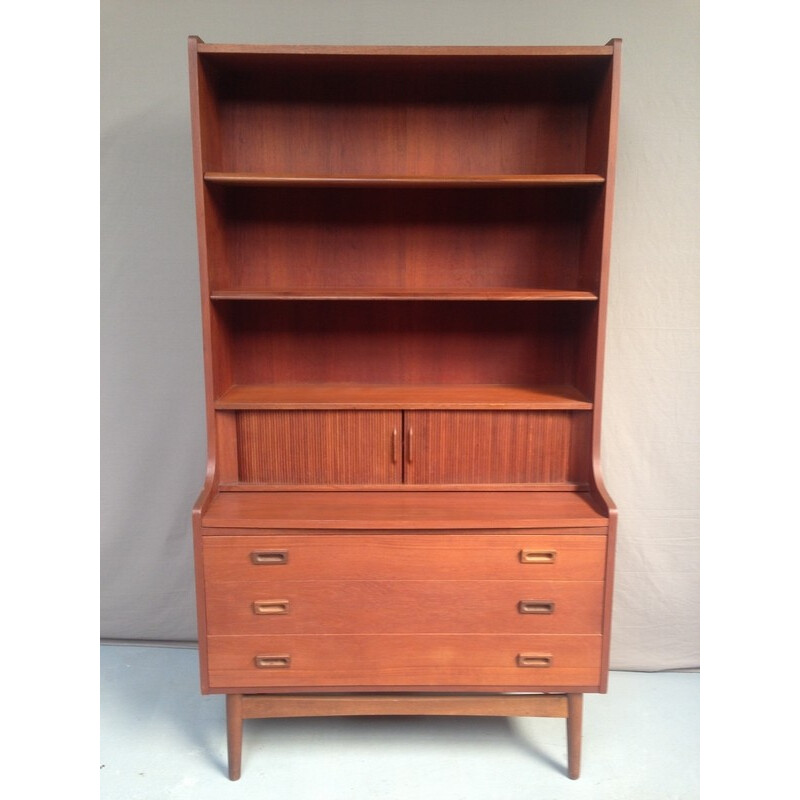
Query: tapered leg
[(574, 728), (233, 709)]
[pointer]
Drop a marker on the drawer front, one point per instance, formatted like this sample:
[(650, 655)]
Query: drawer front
[(399, 660), (375, 606), (515, 555)]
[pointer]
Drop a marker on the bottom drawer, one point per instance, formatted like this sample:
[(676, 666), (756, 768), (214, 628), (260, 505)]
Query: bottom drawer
[(404, 661)]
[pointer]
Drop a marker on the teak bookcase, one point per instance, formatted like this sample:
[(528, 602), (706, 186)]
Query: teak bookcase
[(404, 267)]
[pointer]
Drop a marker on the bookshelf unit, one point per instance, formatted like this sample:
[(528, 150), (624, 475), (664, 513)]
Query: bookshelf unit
[(404, 270)]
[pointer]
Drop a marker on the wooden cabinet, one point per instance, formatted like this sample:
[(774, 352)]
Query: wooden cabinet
[(404, 271)]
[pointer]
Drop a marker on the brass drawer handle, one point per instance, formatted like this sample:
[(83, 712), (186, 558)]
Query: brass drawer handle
[(271, 607), (534, 660), (537, 556), (273, 662), (536, 607), (260, 557)]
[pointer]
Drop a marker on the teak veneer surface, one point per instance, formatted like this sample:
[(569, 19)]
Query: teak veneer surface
[(421, 660), (393, 344), (342, 237), (400, 181), (321, 705), (378, 293), (376, 510), (574, 554), (400, 396), (423, 606), (404, 258)]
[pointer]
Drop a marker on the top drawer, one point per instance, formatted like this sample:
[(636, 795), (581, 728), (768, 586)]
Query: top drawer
[(513, 555)]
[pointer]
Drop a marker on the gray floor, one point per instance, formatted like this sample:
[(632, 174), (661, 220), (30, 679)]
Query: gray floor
[(161, 739)]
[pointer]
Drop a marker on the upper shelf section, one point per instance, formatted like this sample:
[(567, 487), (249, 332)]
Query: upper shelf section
[(413, 116), (402, 181)]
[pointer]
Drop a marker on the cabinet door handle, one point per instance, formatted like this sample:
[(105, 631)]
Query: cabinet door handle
[(261, 557), (273, 662), (534, 660), (394, 446), (410, 445), (537, 556), (271, 607), (536, 607)]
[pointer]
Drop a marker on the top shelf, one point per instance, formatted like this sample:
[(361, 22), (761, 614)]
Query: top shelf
[(402, 181)]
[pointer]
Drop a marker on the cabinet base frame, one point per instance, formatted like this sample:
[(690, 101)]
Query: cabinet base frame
[(240, 707)]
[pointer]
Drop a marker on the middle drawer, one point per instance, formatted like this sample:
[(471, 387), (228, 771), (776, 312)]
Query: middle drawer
[(380, 606)]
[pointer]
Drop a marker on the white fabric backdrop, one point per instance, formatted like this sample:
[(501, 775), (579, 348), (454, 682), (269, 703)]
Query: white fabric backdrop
[(153, 447)]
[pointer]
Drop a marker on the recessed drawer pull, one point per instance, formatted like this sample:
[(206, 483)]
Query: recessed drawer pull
[(534, 660), (273, 662), (261, 557), (537, 556), (271, 607), (536, 607)]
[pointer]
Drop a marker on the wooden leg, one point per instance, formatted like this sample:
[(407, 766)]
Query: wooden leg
[(233, 709), (574, 727)]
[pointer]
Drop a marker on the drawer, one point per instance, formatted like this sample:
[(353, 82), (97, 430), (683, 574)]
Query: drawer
[(514, 555), (374, 606), (404, 661)]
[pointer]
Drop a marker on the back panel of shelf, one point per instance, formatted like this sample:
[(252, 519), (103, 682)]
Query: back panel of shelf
[(398, 114), (386, 239), (406, 342)]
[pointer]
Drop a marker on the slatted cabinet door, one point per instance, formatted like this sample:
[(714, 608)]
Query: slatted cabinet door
[(475, 447), (319, 447)]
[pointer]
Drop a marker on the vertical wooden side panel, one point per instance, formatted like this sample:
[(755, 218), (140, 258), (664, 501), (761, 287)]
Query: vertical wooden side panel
[(319, 447), (597, 473), (227, 449), (200, 100), (463, 447), (211, 475)]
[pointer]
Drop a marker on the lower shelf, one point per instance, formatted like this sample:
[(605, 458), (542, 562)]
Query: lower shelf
[(406, 396)]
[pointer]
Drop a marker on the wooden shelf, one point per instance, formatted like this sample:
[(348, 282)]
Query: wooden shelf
[(307, 396), (376, 293), (402, 181), (402, 510)]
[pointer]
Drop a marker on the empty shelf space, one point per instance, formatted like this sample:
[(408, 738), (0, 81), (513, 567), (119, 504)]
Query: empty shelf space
[(402, 181), (355, 396)]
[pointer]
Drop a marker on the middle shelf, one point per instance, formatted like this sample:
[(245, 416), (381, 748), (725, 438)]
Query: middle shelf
[(404, 181), (385, 293)]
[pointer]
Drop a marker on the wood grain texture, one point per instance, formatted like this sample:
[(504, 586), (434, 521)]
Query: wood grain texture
[(424, 606), (401, 181), (382, 293), (333, 447), (489, 447), (412, 343), (409, 660), (234, 717), (388, 120), (403, 510), (260, 706), (574, 734), (419, 556), (342, 238), (400, 396)]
